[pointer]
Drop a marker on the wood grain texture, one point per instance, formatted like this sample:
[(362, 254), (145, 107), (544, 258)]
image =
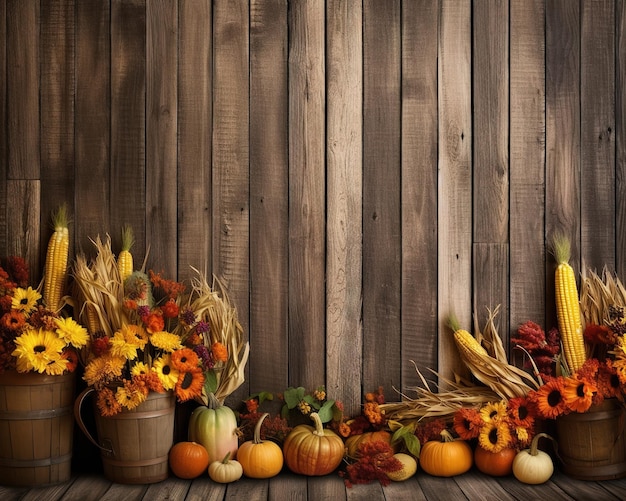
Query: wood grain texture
[(307, 188), (269, 197), (127, 202), (22, 53), (24, 224), (161, 134), (92, 157), (381, 195), (195, 110), (455, 174), (419, 189), (620, 139), (527, 253), (4, 143), (344, 193), (562, 135), (231, 156), (597, 120)]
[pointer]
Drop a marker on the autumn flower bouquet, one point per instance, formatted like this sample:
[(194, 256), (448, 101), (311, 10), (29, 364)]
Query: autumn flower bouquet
[(147, 334), (33, 337)]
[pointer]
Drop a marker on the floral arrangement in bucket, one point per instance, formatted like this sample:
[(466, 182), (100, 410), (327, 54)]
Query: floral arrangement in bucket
[(147, 334), (36, 333)]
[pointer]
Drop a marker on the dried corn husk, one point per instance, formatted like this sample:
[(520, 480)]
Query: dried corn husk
[(598, 293), (212, 305)]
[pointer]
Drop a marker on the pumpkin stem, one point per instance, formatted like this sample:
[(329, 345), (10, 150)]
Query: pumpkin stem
[(446, 436), (317, 421), (213, 402), (534, 444), (226, 458), (257, 429)]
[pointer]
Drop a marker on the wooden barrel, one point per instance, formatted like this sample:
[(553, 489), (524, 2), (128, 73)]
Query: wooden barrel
[(592, 445), (134, 445), (36, 428)]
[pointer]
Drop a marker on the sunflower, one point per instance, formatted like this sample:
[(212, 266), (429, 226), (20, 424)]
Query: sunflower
[(129, 395), (57, 366), (467, 423), (72, 332), (166, 372), (185, 359), (522, 412), (35, 349), (139, 368), (25, 300), (493, 411), (549, 399), (578, 394), (494, 436), (189, 385), (106, 403), (165, 341)]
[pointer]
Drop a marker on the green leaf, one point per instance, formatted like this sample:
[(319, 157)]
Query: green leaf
[(293, 396), (315, 404), (407, 435), (210, 382), (326, 411)]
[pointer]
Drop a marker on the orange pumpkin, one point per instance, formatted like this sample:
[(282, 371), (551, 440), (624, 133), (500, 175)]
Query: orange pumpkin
[(353, 442), (260, 458), (496, 464), (188, 459), (446, 457), (313, 450)]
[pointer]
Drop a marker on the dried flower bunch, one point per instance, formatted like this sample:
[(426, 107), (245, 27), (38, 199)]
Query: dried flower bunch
[(147, 334)]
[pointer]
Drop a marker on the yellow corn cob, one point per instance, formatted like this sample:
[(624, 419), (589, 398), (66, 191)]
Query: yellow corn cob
[(93, 323), (568, 307), (125, 258), (465, 342), (55, 273)]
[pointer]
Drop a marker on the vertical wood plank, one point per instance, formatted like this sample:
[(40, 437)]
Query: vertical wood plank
[(128, 117), (195, 77), (307, 209), (93, 123), (562, 135), (597, 122), (490, 160), (455, 175), (381, 195), (269, 197), (344, 193), (620, 139), (57, 114), (527, 164), (4, 153), (231, 156), (23, 215), (161, 125), (420, 21), (22, 51)]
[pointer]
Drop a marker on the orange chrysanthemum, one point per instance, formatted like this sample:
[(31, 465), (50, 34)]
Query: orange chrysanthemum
[(220, 353), (13, 321), (154, 322), (106, 402), (608, 382), (185, 359), (467, 423)]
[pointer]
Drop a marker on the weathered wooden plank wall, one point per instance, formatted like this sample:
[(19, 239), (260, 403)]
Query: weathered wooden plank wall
[(354, 170)]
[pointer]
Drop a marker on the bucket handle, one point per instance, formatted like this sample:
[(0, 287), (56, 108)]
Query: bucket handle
[(78, 404)]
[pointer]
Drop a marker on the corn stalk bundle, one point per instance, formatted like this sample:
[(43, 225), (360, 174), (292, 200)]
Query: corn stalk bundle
[(212, 305), (485, 357), (436, 403), (598, 293)]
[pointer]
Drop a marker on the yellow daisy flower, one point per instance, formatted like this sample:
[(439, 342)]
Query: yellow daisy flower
[(25, 300), (36, 348), (121, 346), (135, 335), (72, 332), (56, 367), (166, 372), (493, 411), (165, 341)]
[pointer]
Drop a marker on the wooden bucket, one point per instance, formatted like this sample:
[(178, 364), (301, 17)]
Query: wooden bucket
[(36, 428), (134, 445), (592, 445)]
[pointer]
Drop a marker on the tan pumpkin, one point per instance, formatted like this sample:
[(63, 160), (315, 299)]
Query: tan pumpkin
[(313, 450), (533, 466), (260, 458), (354, 442), (225, 471), (446, 457)]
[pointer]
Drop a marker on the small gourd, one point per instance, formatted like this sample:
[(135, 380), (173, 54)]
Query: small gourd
[(313, 450), (409, 467), (225, 471), (533, 466), (260, 458), (446, 457)]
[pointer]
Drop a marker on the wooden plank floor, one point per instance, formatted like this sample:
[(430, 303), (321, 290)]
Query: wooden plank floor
[(285, 487)]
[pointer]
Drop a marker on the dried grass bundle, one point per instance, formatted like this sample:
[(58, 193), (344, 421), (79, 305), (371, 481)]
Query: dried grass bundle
[(597, 294)]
